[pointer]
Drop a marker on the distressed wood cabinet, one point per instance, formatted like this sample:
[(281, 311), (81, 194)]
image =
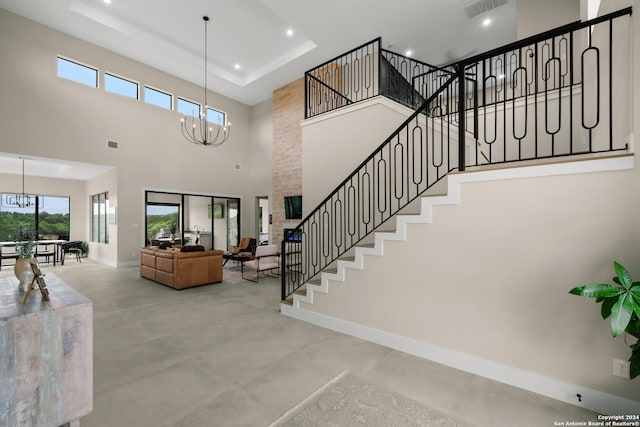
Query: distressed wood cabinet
[(46, 355)]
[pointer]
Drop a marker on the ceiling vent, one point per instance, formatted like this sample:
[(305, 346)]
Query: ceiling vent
[(481, 6), (112, 144)]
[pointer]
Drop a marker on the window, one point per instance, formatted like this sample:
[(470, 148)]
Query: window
[(191, 219), (158, 98), (53, 217), (47, 218), (188, 108), (216, 117), (77, 72), (163, 223), (120, 86), (99, 230)]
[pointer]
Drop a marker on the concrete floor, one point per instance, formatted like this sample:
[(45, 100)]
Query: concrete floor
[(222, 355)]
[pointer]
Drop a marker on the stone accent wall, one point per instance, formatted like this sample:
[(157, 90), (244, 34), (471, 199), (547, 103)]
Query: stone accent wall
[(288, 112)]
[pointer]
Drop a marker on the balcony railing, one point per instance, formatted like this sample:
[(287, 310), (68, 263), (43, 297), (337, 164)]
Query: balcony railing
[(550, 95), (360, 74)]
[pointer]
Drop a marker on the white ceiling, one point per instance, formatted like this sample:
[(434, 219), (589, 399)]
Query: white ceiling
[(50, 168), (169, 35)]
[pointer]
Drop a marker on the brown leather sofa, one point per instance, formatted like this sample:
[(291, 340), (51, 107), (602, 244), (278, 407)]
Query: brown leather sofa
[(180, 270)]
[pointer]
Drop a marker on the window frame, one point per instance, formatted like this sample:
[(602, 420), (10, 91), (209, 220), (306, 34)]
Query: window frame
[(37, 210), (179, 98), (154, 89), (100, 218), (215, 110), (123, 79), (80, 64)]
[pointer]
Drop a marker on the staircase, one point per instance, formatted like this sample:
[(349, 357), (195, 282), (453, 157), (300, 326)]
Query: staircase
[(538, 99), (543, 118)]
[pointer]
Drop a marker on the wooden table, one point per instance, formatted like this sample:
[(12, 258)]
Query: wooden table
[(46, 355)]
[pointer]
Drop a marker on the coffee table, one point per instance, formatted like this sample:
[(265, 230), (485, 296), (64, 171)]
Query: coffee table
[(240, 257)]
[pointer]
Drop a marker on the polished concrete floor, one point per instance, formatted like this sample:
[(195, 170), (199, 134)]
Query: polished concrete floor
[(222, 355)]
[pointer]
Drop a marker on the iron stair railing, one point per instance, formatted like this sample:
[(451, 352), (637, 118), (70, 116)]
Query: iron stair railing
[(403, 167), (360, 74), (546, 96)]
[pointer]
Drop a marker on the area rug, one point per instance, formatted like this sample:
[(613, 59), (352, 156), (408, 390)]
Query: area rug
[(348, 401)]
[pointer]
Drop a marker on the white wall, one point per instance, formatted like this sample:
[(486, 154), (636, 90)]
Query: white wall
[(517, 247), (334, 144), (534, 16), (52, 117), (260, 165), (490, 277)]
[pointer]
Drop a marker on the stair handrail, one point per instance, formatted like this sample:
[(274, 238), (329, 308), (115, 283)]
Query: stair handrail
[(371, 49), (456, 92), (314, 78), (299, 229), (554, 32)]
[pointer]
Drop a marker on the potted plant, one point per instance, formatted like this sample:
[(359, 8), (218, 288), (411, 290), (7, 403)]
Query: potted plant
[(24, 247), (622, 303)]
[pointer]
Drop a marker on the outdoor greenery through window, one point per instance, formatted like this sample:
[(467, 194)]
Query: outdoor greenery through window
[(77, 72), (48, 218), (99, 229), (163, 221)]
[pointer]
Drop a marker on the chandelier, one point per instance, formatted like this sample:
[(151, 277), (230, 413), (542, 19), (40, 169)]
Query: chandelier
[(197, 129), (21, 200)]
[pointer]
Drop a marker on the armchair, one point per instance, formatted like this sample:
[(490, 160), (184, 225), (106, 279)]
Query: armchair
[(247, 244), (267, 258)]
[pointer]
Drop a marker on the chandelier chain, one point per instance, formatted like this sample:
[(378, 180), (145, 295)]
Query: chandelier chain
[(206, 38), (196, 129)]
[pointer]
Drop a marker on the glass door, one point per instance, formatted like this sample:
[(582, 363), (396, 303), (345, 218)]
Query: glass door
[(198, 222), (210, 221), (163, 219)]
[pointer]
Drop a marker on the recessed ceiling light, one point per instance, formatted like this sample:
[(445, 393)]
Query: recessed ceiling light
[(486, 22), (236, 66), (408, 53), (290, 32), (107, 1)]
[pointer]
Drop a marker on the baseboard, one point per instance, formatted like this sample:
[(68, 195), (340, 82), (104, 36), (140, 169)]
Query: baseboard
[(105, 261), (128, 264), (591, 399)]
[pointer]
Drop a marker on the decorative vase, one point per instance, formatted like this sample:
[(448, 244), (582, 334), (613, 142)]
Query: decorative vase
[(24, 273)]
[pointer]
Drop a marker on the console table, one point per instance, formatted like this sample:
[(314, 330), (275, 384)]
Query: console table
[(46, 355)]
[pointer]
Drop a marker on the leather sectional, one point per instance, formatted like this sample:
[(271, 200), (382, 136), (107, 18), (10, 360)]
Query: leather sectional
[(180, 270)]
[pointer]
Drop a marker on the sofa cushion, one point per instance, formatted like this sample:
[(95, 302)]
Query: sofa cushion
[(148, 259), (164, 264)]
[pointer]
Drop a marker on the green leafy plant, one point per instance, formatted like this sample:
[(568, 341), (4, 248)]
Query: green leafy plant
[(622, 303), (25, 244)]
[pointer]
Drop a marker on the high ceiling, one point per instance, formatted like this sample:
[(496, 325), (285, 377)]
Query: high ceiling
[(169, 34)]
